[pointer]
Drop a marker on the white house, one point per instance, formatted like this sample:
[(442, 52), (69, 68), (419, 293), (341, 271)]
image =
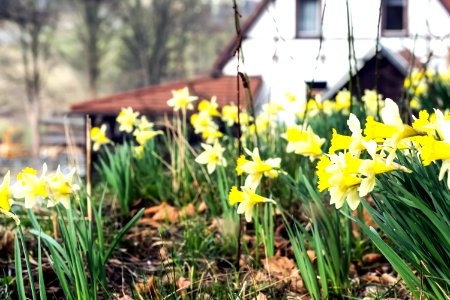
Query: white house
[(281, 41)]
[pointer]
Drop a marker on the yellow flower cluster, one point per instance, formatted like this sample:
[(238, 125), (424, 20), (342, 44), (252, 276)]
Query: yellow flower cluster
[(129, 122), (315, 106), (435, 145), (256, 168), (373, 102), (56, 188), (203, 121), (349, 177)]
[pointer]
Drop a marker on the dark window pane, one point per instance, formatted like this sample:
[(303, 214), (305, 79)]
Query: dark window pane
[(394, 11), (394, 18)]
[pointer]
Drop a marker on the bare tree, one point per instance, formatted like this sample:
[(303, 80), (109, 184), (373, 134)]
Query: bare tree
[(97, 20), (33, 19), (156, 36)]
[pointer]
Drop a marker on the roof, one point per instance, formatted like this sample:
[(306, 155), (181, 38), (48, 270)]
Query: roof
[(153, 100), (395, 59), (446, 4), (230, 49)]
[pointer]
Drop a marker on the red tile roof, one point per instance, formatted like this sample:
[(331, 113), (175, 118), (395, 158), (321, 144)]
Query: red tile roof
[(446, 4), (153, 100)]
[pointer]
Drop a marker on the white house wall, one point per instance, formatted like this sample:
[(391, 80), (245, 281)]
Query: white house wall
[(271, 49)]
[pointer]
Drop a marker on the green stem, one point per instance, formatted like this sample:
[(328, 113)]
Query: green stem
[(27, 262)]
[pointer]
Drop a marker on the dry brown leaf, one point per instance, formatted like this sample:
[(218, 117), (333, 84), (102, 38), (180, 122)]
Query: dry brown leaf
[(279, 266), (311, 255), (371, 258), (163, 253), (166, 212), (147, 287), (188, 210), (182, 285), (370, 278), (261, 296), (296, 281), (149, 222), (284, 268), (154, 209), (388, 279), (7, 242), (260, 276), (202, 207)]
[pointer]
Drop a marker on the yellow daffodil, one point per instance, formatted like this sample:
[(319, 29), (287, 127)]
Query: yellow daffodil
[(181, 99), (372, 102), (371, 167), (202, 121), (143, 136), (144, 124), (305, 143), (230, 114), (392, 128), (211, 135), (245, 118), (272, 108), (339, 174), (6, 193), (98, 136), (322, 174), (415, 103), (247, 199), (31, 187), (61, 188), (290, 97), (313, 108), (339, 142), (5, 198), (343, 100), (127, 119), (263, 122), (212, 157), (256, 168), (433, 150), (328, 107), (209, 107), (138, 151)]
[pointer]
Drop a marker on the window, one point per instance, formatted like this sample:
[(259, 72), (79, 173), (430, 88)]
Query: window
[(308, 18), (394, 17)]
